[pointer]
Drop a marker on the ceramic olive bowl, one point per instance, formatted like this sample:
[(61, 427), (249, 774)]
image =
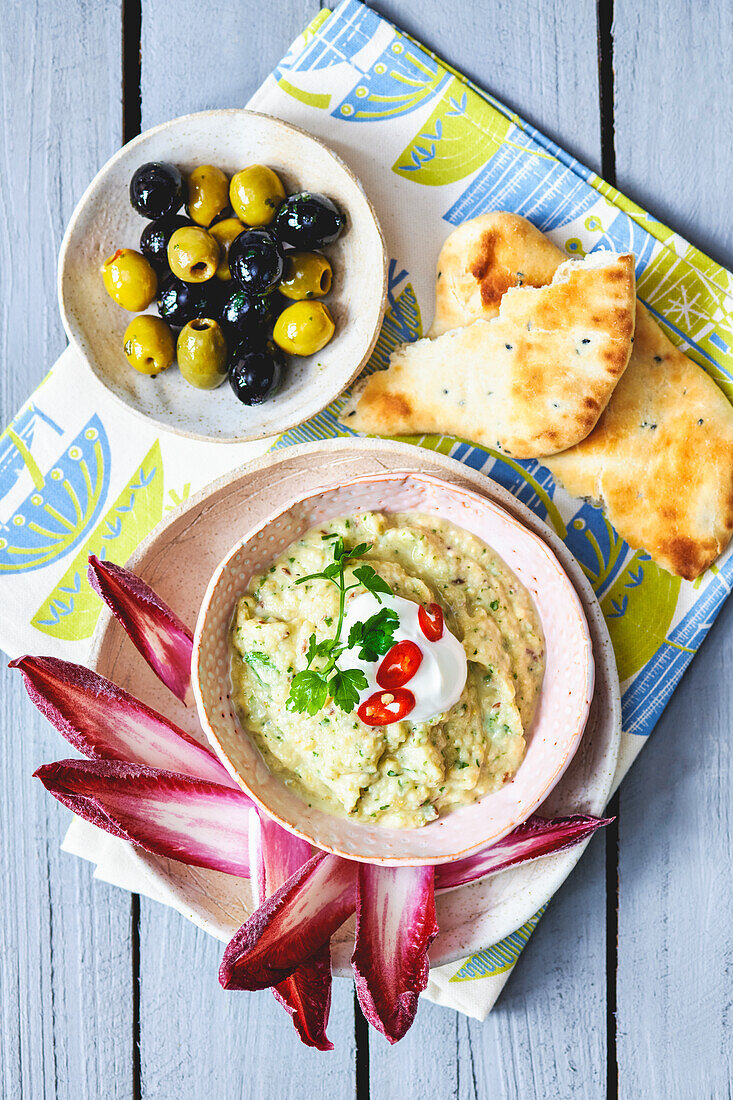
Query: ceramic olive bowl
[(563, 705), (104, 220)]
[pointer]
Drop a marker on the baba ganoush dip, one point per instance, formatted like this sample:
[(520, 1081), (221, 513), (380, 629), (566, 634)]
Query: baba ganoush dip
[(432, 708)]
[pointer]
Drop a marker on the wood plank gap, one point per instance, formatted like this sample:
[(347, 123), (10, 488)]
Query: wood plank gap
[(131, 125), (131, 69), (361, 1034), (612, 897), (606, 78), (51, 969), (604, 17), (135, 956)]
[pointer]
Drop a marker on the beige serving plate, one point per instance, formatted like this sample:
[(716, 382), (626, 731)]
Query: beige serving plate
[(179, 559)]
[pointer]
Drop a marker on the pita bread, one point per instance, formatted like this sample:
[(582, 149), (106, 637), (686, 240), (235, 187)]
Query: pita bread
[(529, 382), (481, 260), (660, 459)]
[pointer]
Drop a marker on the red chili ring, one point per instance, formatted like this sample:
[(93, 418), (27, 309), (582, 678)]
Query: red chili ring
[(374, 711), (431, 621), (400, 665)]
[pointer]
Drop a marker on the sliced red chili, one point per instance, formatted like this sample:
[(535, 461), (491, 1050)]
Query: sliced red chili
[(400, 665), (384, 707), (431, 621)]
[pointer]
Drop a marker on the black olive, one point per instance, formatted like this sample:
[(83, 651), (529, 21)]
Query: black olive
[(307, 221), (256, 261), (179, 302), (242, 316), (225, 214), (155, 236), (255, 375), (157, 189), (277, 302)]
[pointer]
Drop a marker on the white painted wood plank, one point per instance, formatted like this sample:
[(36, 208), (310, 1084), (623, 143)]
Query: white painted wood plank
[(674, 133), (539, 57), (65, 976), (674, 115), (675, 974), (547, 1036), (200, 1041), (193, 61), (194, 1033)]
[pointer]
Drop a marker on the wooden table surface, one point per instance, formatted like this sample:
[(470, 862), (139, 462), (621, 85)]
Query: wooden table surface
[(626, 988)]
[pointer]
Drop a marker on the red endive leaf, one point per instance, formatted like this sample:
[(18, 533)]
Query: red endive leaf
[(153, 628), (190, 820), (274, 855), (306, 996), (537, 836), (292, 925), (103, 721), (395, 925)]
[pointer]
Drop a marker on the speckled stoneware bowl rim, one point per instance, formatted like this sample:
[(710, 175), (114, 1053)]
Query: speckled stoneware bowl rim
[(73, 331), (294, 822)]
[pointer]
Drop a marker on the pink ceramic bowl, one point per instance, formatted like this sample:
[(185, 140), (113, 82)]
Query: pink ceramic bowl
[(564, 699)]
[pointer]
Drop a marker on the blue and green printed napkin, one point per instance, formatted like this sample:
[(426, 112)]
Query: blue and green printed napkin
[(81, 476)]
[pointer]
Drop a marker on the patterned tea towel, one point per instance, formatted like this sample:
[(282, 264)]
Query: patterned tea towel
[(81, 476)]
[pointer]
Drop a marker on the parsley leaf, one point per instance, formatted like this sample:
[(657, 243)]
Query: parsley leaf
[(345, 687), (359, 550), (376, 635), (256, 659), (372, 581), (310, 577), (320, 649), (308, 692), (311, 688)]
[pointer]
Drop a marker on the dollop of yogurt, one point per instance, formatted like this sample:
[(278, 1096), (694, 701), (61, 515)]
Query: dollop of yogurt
[(439, 681)]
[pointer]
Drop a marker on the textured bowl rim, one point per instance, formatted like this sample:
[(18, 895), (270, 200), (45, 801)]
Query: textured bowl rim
[(293, 826), (70, 326)]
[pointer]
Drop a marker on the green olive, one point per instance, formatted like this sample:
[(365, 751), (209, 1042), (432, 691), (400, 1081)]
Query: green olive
[(193, 254), (202, 354), (255, 194), (208, 194), (224, 232), (306, 275), (149, 344), (303, 328), (129, 279)]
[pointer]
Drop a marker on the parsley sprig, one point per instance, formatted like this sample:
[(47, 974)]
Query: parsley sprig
[(312, 687)]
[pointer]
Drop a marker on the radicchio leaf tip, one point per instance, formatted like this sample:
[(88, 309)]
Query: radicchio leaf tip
[(102, 720), (153, 627), (275, 854)]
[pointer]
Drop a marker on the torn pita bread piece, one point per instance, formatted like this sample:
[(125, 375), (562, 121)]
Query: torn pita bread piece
[(660, 459), (481, 260), (532, 381)]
